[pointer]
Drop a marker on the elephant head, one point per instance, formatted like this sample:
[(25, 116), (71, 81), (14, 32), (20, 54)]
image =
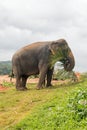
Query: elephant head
[(61, 52)]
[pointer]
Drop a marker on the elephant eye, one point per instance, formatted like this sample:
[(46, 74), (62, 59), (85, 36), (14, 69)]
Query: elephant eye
[(67, 61)]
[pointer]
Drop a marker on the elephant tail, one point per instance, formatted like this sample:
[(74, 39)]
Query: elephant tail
[(11, 75)]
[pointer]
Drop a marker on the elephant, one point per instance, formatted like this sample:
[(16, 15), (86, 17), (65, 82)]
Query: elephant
[(36, 59)]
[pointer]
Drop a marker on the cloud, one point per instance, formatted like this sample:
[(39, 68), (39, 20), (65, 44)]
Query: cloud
[(27, 21)]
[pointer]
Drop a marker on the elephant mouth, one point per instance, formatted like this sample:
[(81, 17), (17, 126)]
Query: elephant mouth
[(67, 65)]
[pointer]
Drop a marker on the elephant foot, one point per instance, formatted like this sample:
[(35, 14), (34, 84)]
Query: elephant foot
[(49, 85), (21, 89), (38, 88)]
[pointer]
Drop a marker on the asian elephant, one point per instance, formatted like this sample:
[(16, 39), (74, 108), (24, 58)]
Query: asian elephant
[(36, 59)]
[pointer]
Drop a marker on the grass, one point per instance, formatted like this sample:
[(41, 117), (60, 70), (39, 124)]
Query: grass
[(7, 84), (45, 109)]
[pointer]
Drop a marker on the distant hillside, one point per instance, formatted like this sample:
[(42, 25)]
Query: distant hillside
[(5, 67)]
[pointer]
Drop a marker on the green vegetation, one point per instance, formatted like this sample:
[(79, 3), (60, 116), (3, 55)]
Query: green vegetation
[(61, 107), (78, 104), (7, 84), (5, 67), (58, 55), (61, 74)]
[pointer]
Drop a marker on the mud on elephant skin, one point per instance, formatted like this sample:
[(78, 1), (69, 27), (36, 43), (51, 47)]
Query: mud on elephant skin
[(36, 58)]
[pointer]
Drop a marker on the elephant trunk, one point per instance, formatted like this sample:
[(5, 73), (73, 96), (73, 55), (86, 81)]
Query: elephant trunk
[(69, 62)]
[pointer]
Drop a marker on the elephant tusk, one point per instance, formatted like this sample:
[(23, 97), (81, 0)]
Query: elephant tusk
[(52, 51)]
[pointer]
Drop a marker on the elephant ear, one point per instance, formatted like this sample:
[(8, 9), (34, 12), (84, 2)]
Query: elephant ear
[(56, 53), (53, 47)]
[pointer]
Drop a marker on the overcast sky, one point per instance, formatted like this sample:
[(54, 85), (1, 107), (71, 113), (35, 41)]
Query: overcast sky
[(26, 21)]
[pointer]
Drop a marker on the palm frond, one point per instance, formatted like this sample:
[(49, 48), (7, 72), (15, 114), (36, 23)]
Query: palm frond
[(60, 54)]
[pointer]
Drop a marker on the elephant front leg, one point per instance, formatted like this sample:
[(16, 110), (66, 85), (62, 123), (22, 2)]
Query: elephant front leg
[(49, 77), (43, 73)]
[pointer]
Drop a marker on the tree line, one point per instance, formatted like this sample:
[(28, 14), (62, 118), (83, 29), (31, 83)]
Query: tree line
[(5, 67)]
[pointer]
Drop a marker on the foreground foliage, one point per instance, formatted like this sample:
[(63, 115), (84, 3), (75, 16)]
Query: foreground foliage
[(78, 104), (61, 107)]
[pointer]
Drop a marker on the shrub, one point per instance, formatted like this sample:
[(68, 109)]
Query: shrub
[(78, 104), (7, 84)]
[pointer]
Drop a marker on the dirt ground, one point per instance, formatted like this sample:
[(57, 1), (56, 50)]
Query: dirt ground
[(6, 78)]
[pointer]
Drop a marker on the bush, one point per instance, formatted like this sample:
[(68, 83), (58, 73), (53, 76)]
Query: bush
[(78, 104), (7, 84), (61, 74)]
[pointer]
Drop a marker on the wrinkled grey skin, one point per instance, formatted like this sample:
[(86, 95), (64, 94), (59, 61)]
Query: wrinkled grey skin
[(35, 59)]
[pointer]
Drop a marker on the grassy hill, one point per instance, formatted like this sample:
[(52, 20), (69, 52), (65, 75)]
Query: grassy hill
[(5, 67), (61, 107)]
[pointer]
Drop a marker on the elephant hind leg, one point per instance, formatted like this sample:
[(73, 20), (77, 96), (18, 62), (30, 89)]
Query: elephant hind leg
[(24, 80), (20, 83)]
